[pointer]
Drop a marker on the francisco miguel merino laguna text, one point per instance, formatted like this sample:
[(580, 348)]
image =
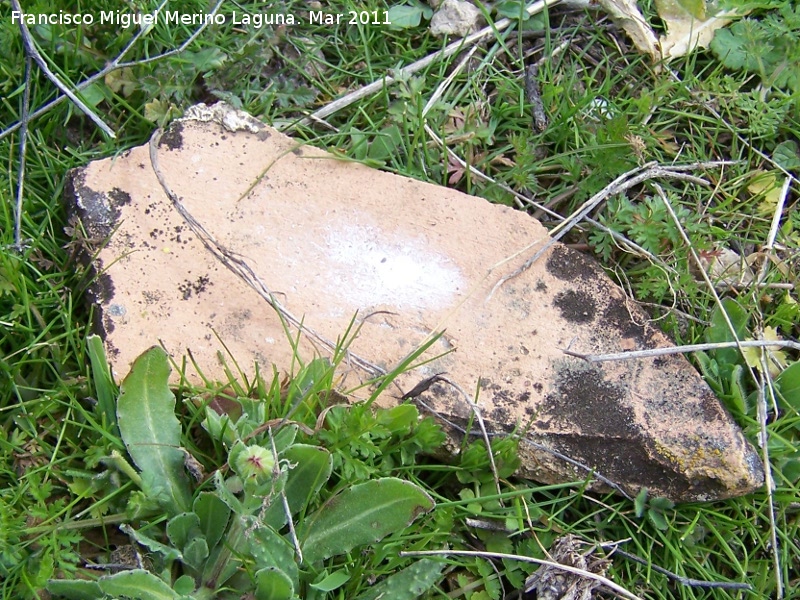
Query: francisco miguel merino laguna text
[(125, 19)]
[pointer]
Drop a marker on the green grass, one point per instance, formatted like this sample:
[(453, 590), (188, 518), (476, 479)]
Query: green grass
[(62, 498)]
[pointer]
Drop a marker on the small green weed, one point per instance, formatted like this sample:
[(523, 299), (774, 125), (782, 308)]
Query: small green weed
[(727, 372), (766, 46), (226, 534)]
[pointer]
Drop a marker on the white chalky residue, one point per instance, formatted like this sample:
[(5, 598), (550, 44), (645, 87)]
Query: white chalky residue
[(372, 267)]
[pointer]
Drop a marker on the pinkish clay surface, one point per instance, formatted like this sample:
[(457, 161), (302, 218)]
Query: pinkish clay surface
[(333, 239)]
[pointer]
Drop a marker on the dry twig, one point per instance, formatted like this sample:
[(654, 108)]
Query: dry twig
[(33, 52), (621, 184), (617, 589), (765, 383), (687, 581), (118, 63), (653, 352), (388, 80), (23, 144)]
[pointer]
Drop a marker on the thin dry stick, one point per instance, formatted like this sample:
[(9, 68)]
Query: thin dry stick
[(32, 51), (699, 264), (764, 444), (650, 353), (773, 230), (617, 589), (388, 80), (439, 91), (523, 202), (284, 500), (765, 383), (118, 64), (241, 269), (687, 581), (23, 144), (476, 410), (621, 184)]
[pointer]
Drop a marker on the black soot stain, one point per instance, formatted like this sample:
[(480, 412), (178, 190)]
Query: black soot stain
[(569, 265), (590, 421), (173, 137), (584, 398), (576, 306)]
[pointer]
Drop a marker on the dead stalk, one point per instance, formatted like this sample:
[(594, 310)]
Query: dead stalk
[(476, 410), (414, 67), (765, 384), (651, 353), (617, 589), (621, 184)]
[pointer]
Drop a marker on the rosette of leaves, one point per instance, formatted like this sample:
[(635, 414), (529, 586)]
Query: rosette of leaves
[(250, 530)]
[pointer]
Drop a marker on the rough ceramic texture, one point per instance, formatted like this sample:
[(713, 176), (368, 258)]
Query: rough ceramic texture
[(455, 17), (333, 239)]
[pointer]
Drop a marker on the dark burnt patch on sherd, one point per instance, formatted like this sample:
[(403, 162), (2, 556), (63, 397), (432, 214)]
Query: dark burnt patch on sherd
[(98, 211), (569, 265), (625, 463), (581, 396), (619, 315), (576, 306), (173, 137), (119, 198), (589, 418)]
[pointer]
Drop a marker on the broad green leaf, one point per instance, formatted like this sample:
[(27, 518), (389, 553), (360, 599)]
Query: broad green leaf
[(790, 467), (409, 583), (385, 144), (358, 139), (787, 155), (719, 331), (225, 559), (362, 514), (513, 9), (399, 419), (184, 585), (226, 495), (75, 590), (219, 427), (273, 584), (788, 384), (195, 553), (405, 17), (640, 503), (333, 581), (137, 584), (311, 471), (658, 519), (103, 382), (92, 95), (207, 59), (270, 549), (315, 376), (213, 514), (736, 397), (182, 528), (151, 431), (168, 553), (284, 437), (681, 8)]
